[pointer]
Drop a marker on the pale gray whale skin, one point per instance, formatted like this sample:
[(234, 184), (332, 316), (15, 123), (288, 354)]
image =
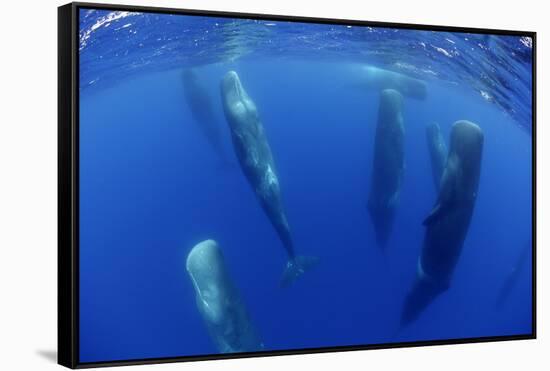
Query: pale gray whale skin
[(388, 165), (256, 161), (219, 301), (449, 220), (201, 106), (438, 152), (381, 79)]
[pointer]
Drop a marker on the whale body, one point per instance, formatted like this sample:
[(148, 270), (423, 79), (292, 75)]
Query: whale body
[(219, 301), (388, 165), (448, 222), (381, 79), (202, 111), (256, 161), (438, 152)]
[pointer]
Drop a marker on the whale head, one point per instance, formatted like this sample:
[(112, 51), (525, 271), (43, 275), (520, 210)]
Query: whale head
[(206, 269), (467, 141), (219, 302), (239, 108), (205, 260), (233, 93), (231, 86), (466, 152), (391, 102)]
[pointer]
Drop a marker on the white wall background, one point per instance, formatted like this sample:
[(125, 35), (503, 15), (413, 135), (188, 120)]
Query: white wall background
[(28, 182)]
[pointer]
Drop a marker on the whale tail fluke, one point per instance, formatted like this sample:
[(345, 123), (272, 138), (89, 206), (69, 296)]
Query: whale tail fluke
[(297, 266)]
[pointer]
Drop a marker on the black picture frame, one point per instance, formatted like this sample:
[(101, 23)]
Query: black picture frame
[(68, 183)]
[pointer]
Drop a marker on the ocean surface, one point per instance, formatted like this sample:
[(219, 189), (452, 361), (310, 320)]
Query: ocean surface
[(153, 185)]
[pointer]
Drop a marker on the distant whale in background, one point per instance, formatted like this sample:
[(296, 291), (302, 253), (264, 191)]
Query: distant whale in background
[(200, 105), (512, 277), (388, 165), (381, 79), (219, 302), (256, 161), (449, 220), (438, 152)]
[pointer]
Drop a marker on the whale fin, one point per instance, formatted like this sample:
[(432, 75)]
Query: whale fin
[(437, 212), (447, 199), (297, 266)]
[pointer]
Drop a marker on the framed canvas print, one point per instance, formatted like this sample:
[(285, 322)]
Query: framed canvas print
[(236, 185)]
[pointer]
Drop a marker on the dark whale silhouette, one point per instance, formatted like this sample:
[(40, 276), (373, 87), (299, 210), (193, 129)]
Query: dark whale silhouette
[(256, 161), (449, 220), (200, 105), (438, 152), (388, 165)]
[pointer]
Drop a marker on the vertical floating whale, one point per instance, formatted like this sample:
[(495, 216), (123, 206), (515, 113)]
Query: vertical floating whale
[(449, 220), (388, 165), (256, 161), (200, 105), (438, 152), (219, 302)]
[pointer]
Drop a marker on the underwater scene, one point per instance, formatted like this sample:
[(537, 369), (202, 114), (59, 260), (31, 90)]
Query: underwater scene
[(252, 185)]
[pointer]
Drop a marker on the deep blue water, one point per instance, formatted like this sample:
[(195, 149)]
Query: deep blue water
[(151, 186)]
